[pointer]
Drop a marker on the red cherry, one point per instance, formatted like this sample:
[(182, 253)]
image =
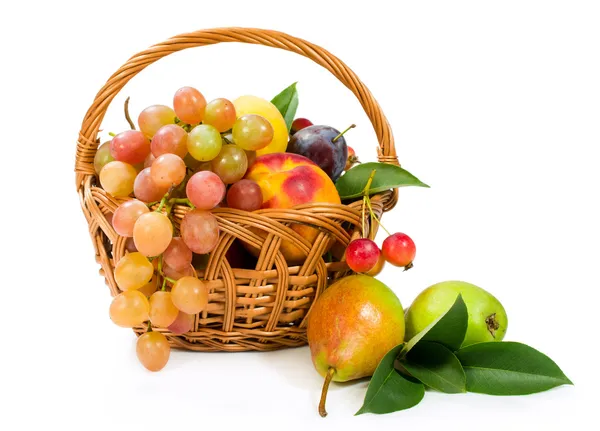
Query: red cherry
[(362, 255), (299, 124), (399, 250), (352, 159)]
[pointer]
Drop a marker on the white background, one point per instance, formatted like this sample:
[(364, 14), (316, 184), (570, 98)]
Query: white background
[(496, 105)]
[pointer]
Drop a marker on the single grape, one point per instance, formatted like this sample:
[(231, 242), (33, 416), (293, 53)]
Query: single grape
[(231, 164), (126, 215), (399, 250), (102, 157), (170, 139), (129, 309), (162, 310), (152, 233), (149, 160), (153, 350), (117, 178), (204, 142), (205, 190), (220, 113), (245, 195), (182, 324), (168, 170), (190, 295), (177, 255), (362, 255), (378, 266), (149, 288), (189, 105), (145, 189), (175, 274), (154, 117), (130, 245), (251, 156), (130, 146), (133, 271), (200, 231), (252, 132)]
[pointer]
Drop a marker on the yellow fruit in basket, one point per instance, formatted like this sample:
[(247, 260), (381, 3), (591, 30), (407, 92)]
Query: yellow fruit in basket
[(245, 105), (117, 178), (133, 271)]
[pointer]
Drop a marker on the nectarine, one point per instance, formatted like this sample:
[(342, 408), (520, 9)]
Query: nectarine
[(287, 180)]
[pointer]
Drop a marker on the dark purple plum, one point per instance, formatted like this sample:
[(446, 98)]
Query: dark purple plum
[(324, 145)]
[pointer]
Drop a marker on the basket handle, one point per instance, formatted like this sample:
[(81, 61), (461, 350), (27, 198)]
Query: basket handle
[(87, 142)]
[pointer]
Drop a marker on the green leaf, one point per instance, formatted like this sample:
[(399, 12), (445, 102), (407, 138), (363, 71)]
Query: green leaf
[(287, 103), (449, 329), (352, 183), (509, 368), (389, 391), (437, 367)]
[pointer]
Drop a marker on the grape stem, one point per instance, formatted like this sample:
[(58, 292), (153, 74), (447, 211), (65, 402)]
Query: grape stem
[(163, 201), (184, 201), (127, 117), (149, 327)]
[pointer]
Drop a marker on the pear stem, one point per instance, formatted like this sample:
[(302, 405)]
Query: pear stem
[(352, 126), (328, 378)]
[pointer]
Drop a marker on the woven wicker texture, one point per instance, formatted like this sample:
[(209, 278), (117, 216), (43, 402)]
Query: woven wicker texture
[(263, 308)]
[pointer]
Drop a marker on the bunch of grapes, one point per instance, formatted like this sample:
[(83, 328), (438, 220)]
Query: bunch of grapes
[(196, 154)]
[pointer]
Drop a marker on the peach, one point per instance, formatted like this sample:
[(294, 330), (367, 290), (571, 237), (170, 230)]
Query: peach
[(287, 180)]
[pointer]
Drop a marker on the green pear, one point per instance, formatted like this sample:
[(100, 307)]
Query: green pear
[(487, 317), (351, 327)]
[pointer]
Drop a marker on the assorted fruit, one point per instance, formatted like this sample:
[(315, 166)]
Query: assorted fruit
[(248, 154)]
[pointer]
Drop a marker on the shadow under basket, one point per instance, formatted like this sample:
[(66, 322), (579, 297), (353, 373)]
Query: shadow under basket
[(262, 306)]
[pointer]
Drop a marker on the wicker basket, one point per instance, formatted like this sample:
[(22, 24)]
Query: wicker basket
[(264, 308)]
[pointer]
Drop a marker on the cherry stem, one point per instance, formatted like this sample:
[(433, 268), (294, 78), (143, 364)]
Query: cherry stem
[(367, 200), (375, 217), (328, 378), (127, 117), (352, 126)]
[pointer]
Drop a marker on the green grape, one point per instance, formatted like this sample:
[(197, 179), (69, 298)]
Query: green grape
[(204, 142), (102, 157), (221, 114), (190, 295), (252, 132), (231, 164)]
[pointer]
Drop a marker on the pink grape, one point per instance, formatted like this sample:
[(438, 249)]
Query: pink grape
[(130, 245), (102, 157), (126, 215), (130, 147), (170, 139), (205, 190), (245, 195), (175, 274), (183, 323), (177, 255), (145, 189), (231, 164), (189, 105), (154, 117), (149, 160), (152, 233), (168, 170), (117, 178), (200, 231), (220, 113)]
